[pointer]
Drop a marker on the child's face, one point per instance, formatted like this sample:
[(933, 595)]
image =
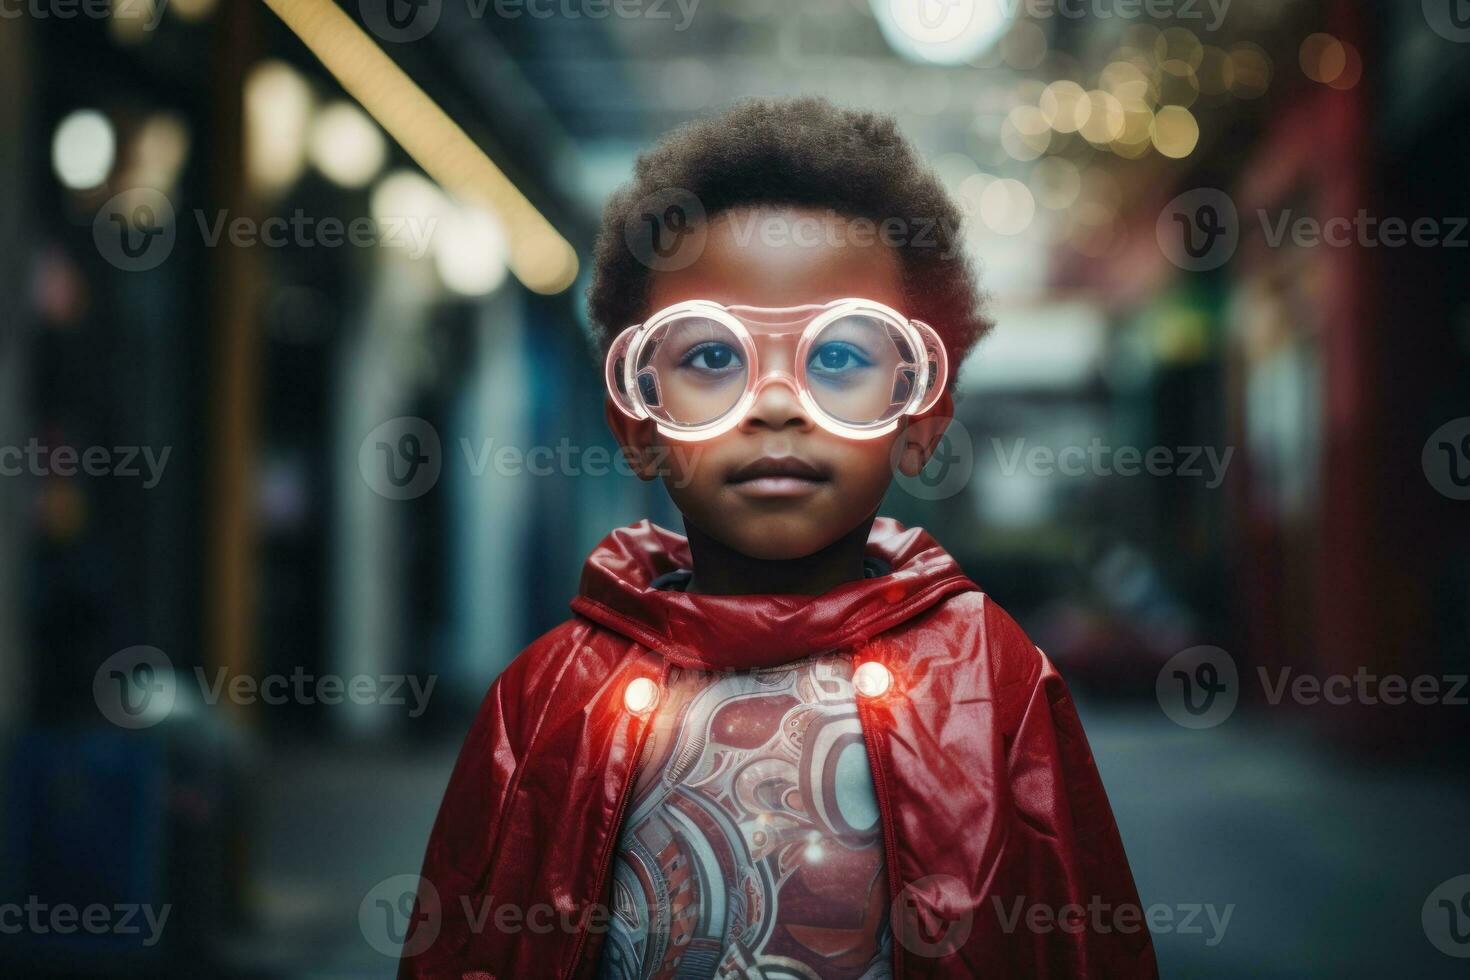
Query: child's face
[(778, 486)]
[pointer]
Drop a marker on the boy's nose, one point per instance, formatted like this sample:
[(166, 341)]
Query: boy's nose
[(777, 406)]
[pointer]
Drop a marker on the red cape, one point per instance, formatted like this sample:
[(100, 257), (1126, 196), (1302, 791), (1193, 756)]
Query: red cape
[(1002, 854)]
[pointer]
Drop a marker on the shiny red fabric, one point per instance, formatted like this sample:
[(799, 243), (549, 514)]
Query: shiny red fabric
[(1002, 854)]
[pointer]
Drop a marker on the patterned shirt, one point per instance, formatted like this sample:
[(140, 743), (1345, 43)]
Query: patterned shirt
[(751, 846)]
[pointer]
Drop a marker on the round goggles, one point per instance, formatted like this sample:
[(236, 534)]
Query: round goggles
[(857, 366)]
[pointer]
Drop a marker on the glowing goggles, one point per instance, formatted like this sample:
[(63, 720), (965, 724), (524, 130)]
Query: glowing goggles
[(857, 366)]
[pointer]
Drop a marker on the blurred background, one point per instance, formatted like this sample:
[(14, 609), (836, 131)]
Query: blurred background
[(286, 397)]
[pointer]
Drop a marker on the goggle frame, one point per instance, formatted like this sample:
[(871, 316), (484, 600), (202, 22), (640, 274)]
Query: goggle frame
[(620, 373)]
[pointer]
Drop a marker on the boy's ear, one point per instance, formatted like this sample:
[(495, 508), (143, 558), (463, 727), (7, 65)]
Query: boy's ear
[(920, 438), (636, 438)]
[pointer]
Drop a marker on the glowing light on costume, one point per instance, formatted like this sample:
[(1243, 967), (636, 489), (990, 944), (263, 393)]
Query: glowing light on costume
[(872, 679), (640, 696)]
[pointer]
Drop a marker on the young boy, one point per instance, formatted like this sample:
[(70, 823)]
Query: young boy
[(799, 742)]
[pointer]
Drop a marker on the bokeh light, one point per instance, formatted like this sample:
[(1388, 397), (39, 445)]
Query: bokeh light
[(1175, 132), (1056, 182), (278, 105), (1250, 71), (1065, 106), (1007, 207), (1323, 58), (470, 251), (345, 145), (83, 149)]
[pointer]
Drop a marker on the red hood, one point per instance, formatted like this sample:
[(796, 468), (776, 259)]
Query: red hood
[(713, 632)]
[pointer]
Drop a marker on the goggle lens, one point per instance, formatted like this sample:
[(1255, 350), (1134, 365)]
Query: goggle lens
[(860, 370), (691, 371)]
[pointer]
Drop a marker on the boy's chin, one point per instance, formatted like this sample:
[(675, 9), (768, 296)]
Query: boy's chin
[(780, 537)]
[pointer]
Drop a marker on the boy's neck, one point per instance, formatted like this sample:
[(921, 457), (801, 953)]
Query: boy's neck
[(721, 570)]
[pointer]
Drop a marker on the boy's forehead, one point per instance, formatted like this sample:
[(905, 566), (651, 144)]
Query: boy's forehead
[(784, 257)]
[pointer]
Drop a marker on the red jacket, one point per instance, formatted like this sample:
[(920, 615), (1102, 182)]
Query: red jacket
[(1002, 854)]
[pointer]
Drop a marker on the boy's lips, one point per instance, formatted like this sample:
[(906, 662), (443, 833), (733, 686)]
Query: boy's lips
[(777, 476)]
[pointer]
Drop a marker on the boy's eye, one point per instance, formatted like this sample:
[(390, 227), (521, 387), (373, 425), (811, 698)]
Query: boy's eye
[(836, 356), (710, 356)]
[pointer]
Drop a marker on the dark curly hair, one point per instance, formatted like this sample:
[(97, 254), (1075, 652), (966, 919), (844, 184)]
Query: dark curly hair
[(801, 152)]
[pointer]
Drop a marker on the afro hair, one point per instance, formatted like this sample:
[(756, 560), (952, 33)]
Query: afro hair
[(799, 153)]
